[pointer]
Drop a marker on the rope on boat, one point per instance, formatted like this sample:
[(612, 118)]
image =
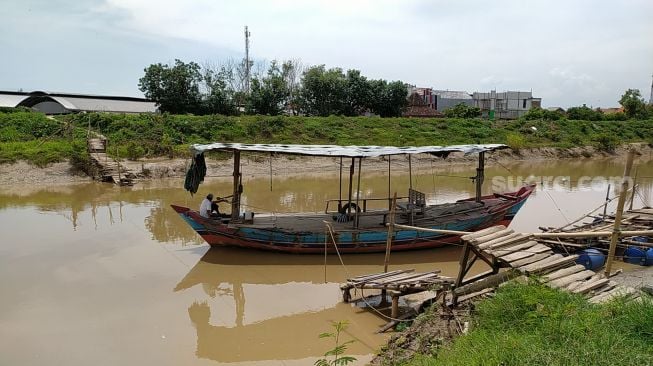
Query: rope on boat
[(333, 240)]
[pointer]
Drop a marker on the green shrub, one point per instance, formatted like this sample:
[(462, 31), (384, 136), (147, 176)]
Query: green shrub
[(515, 141), (606, 143)]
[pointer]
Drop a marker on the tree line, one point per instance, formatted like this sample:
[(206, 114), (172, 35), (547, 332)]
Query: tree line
[(286, 87)]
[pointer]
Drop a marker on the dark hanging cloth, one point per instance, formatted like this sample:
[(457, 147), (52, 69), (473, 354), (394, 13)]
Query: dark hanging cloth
[(195, 174)]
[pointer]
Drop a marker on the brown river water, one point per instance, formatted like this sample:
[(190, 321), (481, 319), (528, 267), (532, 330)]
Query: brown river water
[(97, 274)]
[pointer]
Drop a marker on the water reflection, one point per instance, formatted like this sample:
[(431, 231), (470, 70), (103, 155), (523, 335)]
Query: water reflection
[(273, 306), (227, 305)]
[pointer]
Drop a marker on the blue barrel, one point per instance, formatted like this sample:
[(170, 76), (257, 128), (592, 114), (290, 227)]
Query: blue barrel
[(649, 257), (591, 258), (641, 239), (635, 255)]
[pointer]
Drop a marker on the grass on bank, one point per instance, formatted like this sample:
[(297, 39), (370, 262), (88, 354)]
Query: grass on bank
[(532, 324), (135, 136)]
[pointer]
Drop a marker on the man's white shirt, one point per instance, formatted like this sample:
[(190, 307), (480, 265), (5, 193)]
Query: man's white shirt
[(205, 208)]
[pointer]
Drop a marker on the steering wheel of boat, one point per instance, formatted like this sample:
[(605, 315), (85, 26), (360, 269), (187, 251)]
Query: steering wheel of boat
[(345, 208), (342, 213)]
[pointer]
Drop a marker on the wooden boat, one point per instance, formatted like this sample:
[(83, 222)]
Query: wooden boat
[(356, 229)]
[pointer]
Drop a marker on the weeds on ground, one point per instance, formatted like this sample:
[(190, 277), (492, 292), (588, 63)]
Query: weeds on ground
[(532, 324)]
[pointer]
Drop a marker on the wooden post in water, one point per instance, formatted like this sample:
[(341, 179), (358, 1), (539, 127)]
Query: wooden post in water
[(607, 200), (388, 243), (391, 228), (620, 210), (632, 195), (235, 202), (326, 236), (480, 175)]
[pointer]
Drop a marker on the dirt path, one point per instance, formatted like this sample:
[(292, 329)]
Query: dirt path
[(257, 165)]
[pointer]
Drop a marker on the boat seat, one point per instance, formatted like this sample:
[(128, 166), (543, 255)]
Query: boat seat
[(416, 201), (416, 204)]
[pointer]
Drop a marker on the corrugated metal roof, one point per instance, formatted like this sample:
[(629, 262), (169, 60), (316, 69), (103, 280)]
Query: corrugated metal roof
[(9, 100), (80, 102), (106, 105), (344, 151)]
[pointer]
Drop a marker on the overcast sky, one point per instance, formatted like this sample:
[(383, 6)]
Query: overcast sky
[(567, 52)]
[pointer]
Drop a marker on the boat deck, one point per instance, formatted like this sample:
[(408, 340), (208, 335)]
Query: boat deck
[(369, 220)]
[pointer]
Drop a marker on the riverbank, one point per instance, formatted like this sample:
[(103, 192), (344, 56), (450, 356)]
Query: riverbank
[(526, 323), (260, 165)]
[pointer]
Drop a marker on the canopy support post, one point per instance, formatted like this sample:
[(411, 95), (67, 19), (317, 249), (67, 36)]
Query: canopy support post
[(480, 175), (340, 188), (389, 199), (235, 202), (410, 172), (351, 179), (358, 193)]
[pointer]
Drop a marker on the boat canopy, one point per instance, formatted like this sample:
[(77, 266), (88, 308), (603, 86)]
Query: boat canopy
[(344, 151)]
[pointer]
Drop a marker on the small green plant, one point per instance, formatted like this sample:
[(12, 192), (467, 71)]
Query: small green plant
[(516, 141), (338, 350)]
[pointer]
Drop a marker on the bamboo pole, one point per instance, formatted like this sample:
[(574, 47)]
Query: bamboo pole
[(607, 199), (582, 217), (632, 196), (580, 234), (391, 225), (388, 243), (439, 231), (593, 234), (326, 236), (620, 210)]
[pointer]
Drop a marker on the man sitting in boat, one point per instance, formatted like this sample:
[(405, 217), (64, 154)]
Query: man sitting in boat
[(210, 208)]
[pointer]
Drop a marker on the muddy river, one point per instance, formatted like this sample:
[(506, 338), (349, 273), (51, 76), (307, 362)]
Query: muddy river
[(97, 274)]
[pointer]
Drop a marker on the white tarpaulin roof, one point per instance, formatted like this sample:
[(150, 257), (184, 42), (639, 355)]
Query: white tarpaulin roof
[(345, 151)]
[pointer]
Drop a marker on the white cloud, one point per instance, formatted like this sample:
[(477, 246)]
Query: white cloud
[(567, 52)]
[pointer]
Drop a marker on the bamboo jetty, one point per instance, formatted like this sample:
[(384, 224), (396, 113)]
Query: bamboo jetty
[(105, 168), (549, 255), (508, 254)]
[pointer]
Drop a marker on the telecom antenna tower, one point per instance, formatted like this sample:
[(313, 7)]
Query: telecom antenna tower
[(650, 99), (247, 62)]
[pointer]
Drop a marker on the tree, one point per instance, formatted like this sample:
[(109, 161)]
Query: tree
[(174, 89), (584, 113), (388, 99), (219, 96), (268, 94), (357, 94), (462, 110), (323, 91), (633, 104), (543, 114)]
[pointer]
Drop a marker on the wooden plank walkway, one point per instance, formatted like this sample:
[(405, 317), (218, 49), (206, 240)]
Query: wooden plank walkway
[(530, 256), (399, 283), (108, 170)]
